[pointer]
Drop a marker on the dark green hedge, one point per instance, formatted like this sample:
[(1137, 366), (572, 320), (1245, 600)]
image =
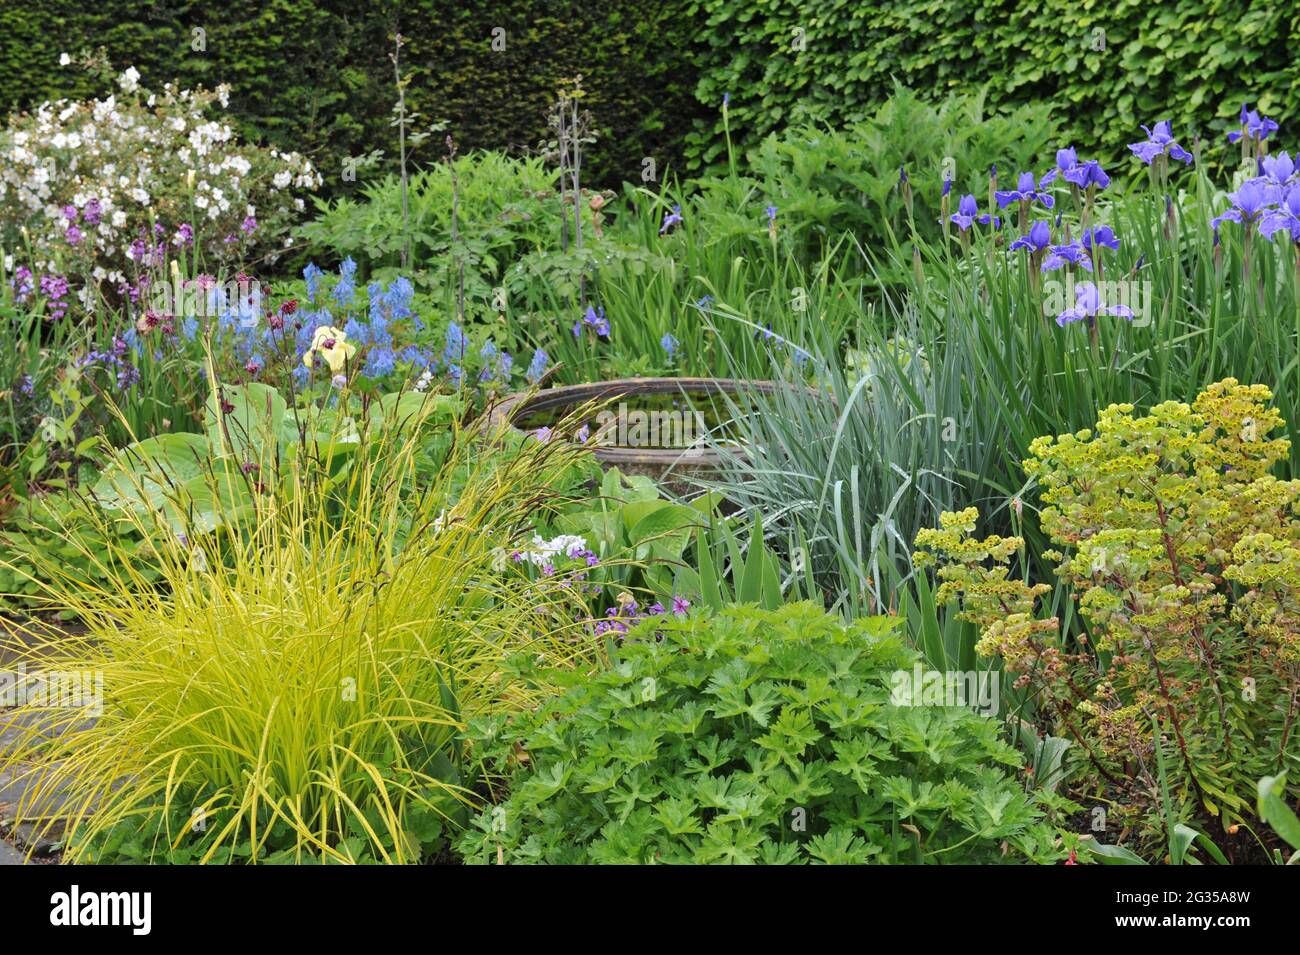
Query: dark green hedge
[(314, 75), (1106, 66)]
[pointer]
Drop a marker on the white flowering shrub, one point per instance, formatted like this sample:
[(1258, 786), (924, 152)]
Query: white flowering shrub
[(101, 190)]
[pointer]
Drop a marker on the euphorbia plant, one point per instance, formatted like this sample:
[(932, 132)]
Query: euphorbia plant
[(1184, 554)]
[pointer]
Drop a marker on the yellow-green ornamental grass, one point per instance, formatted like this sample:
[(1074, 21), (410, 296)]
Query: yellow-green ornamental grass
[(1184, 553), (292, 692)]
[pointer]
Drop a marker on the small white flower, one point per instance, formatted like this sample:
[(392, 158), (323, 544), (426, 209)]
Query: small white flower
[(129, 81), (64, 59)]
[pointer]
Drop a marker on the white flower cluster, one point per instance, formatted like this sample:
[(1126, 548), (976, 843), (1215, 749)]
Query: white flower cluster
[(543, 551), (88, 179)]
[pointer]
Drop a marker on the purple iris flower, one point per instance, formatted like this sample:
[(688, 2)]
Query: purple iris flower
[(1249, 203), (1038, 239), (1027, 190), (593, 318), (968, 213), (1277, 169), (1159, 141), (671, 219), (1253, 126), (1087, 306), (1101, 235), (1286, 216), (1081, 174), (1060, 256), (947, 185)]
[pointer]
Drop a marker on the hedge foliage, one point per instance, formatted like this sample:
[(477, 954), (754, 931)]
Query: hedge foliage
[(315, 75), (1107, 67)]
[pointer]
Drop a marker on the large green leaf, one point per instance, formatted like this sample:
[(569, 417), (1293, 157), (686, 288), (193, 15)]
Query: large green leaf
[(142, 475), (1274, 810), (247, 422)]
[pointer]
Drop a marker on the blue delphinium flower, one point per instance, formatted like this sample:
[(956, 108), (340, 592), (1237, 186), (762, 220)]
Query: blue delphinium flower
[(1249, 203), (399, 297), (1027, 190), (670, 344), (417, 358), (537, 367), (497, 365), (1253, 126), (346, 286), (454, 351), (671, 219), (358, 334), (968, 213), (1087, 306), (379, 362), (1038, 239), (312, 275), (1159, 141)]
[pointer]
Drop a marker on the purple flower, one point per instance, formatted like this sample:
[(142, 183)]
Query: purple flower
[(1286, 216), (73, 235), (543, 435), (1158, 142), (249, 225), (1081, 174), (671, 219), (70, 213), (1038, 239), (594, 318), (947, 185), (1087, 306), (680, 606), (1058, 256), (1102, 235), (537, 367), (1249, 203), (1253, 126), (92, 212), (1278, 169), (1026, 191), (669, 344), (771, 216), (184, 235), (967, 214)]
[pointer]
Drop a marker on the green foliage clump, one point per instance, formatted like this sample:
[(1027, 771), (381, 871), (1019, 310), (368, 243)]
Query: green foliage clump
[(1105, 68), (1184, 553), (62, 530), (752, 736)]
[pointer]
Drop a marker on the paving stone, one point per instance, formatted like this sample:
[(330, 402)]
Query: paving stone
[(9, 855)]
